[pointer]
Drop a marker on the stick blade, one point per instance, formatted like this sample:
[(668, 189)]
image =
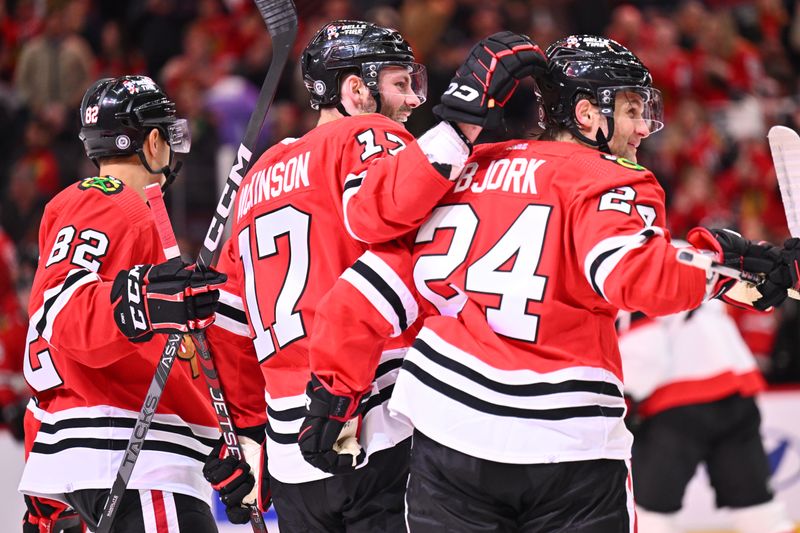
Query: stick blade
[(784, 143)]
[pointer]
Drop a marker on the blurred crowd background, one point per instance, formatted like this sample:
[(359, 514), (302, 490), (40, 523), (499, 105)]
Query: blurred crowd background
[(728, 71)]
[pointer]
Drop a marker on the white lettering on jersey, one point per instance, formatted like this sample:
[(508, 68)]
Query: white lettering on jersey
[(280, 178), (517, 175)]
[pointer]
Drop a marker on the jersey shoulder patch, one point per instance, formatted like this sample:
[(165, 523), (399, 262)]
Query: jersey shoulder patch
[(621, 161), (105, 184)]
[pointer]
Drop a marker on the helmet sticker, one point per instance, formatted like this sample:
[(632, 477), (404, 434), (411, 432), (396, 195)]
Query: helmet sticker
[(122, 142), (134, 85), (319, 87), (105, 184)]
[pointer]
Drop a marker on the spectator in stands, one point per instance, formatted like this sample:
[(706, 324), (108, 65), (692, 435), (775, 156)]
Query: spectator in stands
[(55, 68)]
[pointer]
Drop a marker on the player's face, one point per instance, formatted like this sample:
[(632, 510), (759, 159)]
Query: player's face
[(159, 157), (397, 96), (630, 127)]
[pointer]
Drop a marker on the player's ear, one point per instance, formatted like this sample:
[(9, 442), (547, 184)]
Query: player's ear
[(151, 142), (585, 115), (354, 90)]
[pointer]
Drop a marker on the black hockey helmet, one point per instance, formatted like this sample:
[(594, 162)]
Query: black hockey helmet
[(595, 68), (118, 113), (363, 48)]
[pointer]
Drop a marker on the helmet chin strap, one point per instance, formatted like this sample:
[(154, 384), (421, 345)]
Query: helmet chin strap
[(340, 108), (169, 173), (600, 140), (375, 94)]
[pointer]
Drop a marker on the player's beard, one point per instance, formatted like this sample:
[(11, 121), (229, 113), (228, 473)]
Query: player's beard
[(400, 114)]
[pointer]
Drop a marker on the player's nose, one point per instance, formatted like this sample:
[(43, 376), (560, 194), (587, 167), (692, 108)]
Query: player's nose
[(412, 100)]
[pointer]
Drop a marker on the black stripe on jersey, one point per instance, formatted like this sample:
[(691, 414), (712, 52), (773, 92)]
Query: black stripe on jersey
[(562, 413), (232, 313), (116, 445), (377, 399), (387, 366), (531, 389), (596, 265), (282, 438), (287, 415), (386, 291), (352, 183), (69, 281), (112, 422)]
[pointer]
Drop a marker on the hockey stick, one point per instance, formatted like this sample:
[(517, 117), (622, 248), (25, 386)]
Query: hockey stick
[(704, 262), (280, 17), (165, 232), (784, 143)]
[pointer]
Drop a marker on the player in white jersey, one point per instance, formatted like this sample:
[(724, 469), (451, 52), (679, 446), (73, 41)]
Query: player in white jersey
[(693, 383)]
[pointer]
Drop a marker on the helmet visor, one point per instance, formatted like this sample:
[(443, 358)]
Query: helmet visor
[(641, 103), (178, 136), (405, 79)]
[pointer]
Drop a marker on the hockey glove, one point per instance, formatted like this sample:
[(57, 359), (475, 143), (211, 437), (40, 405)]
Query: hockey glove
[(45, 516), (170, 297), (785, 275), (327, 436), (488, 78), (240, 482), (746, 256)]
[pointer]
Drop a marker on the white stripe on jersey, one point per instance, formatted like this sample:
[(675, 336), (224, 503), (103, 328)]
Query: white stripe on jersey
[(352, 183), (231, 323), (82, 448), (382, 295), (379, 430), (510, 416), (606, 255), (56, 298)]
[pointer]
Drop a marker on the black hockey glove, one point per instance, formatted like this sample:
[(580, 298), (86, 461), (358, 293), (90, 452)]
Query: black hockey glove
[(327, 436), (44, 515), (746, 256), (491, 73), (784, 276), (170, 297), (235, 479)]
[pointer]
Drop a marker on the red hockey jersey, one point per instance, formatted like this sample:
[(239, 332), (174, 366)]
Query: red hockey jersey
[(289, 245), (89, 379), (520, 271)]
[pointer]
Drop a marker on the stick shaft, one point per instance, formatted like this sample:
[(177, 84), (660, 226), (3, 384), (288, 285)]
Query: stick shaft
[(280, 16), (167, 236)]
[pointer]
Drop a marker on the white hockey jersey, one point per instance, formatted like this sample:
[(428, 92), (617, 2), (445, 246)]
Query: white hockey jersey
[(690, 357)]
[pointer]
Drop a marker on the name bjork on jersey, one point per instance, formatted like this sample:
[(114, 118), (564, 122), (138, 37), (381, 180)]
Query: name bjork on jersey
[(276, 179), (516, 175)]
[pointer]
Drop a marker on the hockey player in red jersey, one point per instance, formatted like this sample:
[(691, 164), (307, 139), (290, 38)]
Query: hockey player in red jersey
[(358, 171), (693, 381), (514, 384), (102, 290)]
